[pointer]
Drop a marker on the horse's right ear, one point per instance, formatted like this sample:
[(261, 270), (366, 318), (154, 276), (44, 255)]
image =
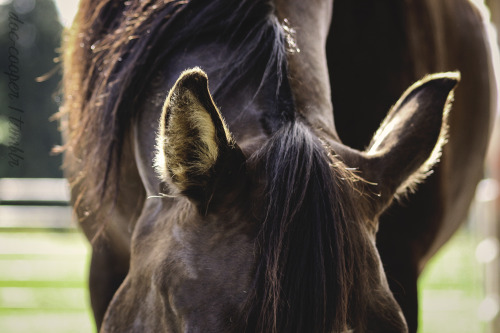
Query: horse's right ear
[(194, 146)]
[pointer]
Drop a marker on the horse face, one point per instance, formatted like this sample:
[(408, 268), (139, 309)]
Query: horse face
[(200, 253), (293, 252)]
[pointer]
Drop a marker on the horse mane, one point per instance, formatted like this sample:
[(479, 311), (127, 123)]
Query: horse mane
[(115, 47), (310, 248)]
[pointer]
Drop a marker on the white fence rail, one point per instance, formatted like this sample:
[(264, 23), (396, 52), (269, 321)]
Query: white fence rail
[(35, 203)]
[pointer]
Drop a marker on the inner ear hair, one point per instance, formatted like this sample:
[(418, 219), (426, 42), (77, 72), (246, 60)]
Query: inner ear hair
[(193, 139), (410, 140)]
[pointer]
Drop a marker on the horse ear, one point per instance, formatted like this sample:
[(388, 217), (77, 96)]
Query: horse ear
[(409, 141), (194, 144)]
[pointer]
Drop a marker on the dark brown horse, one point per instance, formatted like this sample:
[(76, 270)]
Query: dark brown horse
[(235, 204)]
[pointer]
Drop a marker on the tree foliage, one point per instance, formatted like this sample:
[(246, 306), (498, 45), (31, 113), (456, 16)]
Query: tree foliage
[(30, 36)]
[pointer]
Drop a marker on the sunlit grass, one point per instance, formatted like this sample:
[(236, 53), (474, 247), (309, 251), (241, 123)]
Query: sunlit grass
[(43, 284), (45, 321), (451, 289)]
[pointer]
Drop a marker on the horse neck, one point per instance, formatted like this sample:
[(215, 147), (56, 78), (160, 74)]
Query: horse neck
[(307, 64)]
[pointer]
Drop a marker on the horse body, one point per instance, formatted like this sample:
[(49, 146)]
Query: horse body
[(406, 41), (224, 248)]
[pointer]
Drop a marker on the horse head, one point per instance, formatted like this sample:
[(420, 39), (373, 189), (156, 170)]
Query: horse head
[(279, 237), (249, 214)]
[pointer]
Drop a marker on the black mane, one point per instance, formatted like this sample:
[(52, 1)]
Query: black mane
[(308, 246)]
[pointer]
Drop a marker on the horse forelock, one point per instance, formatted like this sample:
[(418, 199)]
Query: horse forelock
[(310, 248)]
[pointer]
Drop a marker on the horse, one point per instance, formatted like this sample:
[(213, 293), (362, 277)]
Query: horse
[(270, 165)]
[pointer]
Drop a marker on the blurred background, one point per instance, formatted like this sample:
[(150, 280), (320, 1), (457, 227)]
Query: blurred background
[(44, 258)]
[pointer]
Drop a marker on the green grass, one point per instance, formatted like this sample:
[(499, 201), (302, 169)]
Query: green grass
[(451, 289), (43, 285)]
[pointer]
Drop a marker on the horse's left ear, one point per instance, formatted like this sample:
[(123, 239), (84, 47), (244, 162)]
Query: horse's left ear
[(194, 146), (409, 141)]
